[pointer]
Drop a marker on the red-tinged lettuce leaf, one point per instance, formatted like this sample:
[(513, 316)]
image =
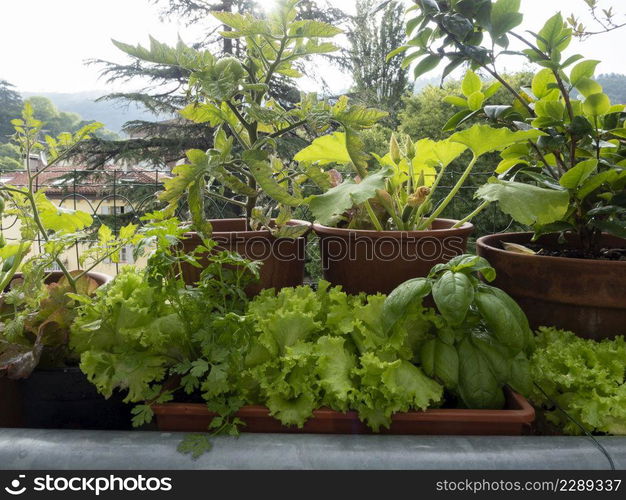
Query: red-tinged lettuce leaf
[(18, 361)]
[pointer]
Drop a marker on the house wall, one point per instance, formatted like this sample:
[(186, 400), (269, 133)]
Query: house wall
[(11, 232)]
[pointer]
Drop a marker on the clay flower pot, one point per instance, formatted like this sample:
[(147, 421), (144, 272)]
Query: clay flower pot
[(379, 261), (585, 296), (282, 258)]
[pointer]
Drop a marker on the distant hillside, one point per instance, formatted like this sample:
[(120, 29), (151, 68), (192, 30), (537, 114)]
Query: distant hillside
[(113, 115)]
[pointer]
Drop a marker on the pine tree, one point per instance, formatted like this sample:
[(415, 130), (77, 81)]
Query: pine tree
[(165, 139), (10, 108), (373, 33)]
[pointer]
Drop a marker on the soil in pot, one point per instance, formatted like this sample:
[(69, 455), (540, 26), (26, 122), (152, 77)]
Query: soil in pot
[(514, 419), (379, 261), (282, 258), (586, 296), (63, 398)]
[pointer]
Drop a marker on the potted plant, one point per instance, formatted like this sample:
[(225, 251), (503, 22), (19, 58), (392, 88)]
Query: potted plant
[(305, 360), (239, 102), (382, 225), (568, 183), (37, 306)]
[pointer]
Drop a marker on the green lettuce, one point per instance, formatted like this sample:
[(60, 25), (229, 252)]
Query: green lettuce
[(316, 348), (585, 378)]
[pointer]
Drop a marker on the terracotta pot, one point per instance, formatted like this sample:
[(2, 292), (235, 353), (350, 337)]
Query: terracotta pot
[(378, 261), (582, 295), (282, 258), (515, 419), (10, 404), (54, 276)]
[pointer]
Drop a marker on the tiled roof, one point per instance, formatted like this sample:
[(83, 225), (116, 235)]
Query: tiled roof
[(62, 180)]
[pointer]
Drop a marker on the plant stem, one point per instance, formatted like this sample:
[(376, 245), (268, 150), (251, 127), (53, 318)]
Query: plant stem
[(451, 194), (282, 131), (372, 215), (19, 256), (473, 214), (36, 217), (419, 211)]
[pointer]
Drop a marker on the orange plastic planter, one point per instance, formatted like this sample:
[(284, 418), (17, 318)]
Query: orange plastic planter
[(515, 419)]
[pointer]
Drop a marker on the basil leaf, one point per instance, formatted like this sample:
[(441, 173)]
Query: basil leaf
[(453, 294)]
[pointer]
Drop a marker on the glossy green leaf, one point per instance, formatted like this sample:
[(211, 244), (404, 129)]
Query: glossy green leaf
[(495, 353), (440, 360), (503, 316), (597, 104), (453, 293), (505, 16), (457, 118), (550, 109), (587, 87), (475, 101), (478, 386), (472, 263), (402, 299), (584, 69), (508, 163), (575, 176), (541, 81), (427, 64), (550, 34), (471, 83), (455, 101)]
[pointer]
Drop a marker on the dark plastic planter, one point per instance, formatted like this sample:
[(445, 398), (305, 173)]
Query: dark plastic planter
[(282, 258), (10, 404), (515, 419), (64, 399), (582, 295), (379, 261)]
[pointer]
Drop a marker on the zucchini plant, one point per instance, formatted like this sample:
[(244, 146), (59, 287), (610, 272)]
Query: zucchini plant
[(397, 191)]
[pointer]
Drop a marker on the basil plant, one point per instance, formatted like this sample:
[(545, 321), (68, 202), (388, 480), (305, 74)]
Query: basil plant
[(570, 177)]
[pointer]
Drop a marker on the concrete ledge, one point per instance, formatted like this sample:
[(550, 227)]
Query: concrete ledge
[(24, 449)]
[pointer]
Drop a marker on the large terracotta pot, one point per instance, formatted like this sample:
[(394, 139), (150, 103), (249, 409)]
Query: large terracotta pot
[(379, 261), (282, 258), (582, 295)]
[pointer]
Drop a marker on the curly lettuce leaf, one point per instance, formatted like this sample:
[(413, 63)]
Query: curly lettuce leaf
[(389, 387), (585, 377)]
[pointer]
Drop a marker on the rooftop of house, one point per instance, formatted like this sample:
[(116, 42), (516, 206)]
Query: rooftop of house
[(61, 180)]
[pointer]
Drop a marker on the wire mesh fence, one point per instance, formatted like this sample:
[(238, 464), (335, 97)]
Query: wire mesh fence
[(116, 197)]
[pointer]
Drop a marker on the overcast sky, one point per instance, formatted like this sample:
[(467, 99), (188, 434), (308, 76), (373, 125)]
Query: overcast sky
[(44, 43)]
